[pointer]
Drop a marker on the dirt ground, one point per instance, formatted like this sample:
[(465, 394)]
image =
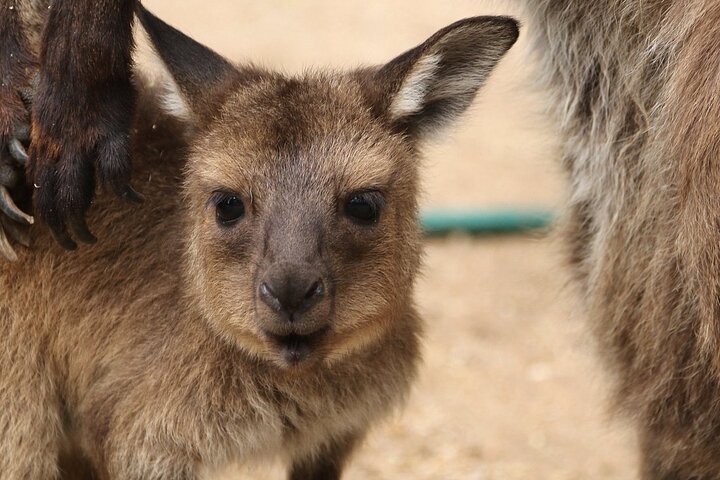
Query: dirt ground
[(511, 388)]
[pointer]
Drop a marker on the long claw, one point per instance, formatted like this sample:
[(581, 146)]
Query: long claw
[(80, 228), (63, 239), (8, 207), (8, 176), (16, 232), (17, 151), (131, 195), (22, 132), (6, 250)]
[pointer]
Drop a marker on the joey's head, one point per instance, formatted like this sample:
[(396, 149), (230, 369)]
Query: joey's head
[(301, 192)]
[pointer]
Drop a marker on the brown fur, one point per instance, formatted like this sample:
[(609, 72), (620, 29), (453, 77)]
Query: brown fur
[(16, 66), (635, 84), (145, 356)]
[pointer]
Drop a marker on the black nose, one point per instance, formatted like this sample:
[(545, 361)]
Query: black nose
[(291, 291)]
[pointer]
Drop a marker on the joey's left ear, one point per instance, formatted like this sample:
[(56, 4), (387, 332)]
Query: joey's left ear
[(429, 86)]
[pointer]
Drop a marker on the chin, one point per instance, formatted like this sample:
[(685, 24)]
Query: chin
[(298, 352)]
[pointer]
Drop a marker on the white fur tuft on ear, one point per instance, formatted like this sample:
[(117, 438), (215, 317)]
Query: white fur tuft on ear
[(169, 95), (411, 96), (172, 100)]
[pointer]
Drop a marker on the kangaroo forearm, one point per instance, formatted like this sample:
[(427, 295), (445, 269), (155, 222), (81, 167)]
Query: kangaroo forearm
[(82, 111), (89, 41)]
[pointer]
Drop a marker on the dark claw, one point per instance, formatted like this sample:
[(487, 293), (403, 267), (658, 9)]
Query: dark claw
[(16, 232), (8, 207), (8, 176), (131, 195), (80, 228), (22, 132), (17, 151), (6, 249), (63, 239)]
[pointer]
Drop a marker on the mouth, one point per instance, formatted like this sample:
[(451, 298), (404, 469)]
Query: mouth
[(295, 348)]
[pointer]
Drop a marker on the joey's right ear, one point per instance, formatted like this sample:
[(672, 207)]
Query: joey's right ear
[(199, 74)]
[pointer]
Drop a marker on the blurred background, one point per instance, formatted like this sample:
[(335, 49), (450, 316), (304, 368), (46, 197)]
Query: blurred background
[(510, 388)]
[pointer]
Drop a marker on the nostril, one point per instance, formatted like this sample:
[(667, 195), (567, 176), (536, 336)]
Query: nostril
[(269, 297), (315, 290), (266, 291)]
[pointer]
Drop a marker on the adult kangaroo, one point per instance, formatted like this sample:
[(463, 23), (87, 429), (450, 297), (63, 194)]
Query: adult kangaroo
[(635, 85)]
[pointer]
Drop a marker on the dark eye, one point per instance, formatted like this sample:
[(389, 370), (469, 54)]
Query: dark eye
[(229, 209), (364, 207)]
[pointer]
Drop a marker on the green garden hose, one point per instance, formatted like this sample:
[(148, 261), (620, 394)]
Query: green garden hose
[(480, 221)]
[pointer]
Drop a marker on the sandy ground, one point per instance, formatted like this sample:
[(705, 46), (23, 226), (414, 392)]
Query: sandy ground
[(510, 388)]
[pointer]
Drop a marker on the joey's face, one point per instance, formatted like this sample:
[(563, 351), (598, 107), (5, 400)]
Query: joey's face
[(303, 240), (305, 220)]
